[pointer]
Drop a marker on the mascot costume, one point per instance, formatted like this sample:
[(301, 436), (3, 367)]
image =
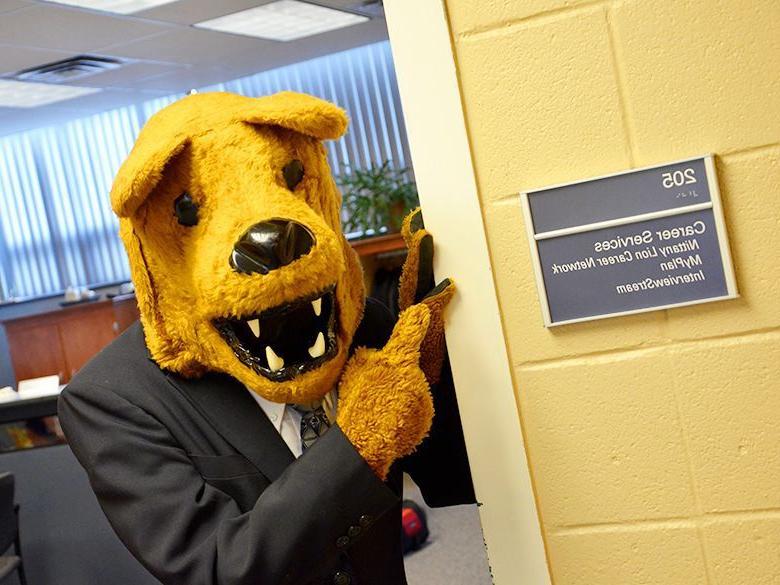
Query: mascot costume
[(250, 295)]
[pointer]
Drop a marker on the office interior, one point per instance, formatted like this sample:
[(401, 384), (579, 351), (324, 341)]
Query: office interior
[(78, 80), (628, 449)]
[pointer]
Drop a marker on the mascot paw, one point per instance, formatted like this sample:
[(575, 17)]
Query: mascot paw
[(418, 286), (385, 405)]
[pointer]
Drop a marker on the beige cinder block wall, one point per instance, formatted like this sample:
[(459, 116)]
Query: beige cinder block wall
[(653, 440)]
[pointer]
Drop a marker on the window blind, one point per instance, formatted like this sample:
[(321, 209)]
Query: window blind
[(58, 229)]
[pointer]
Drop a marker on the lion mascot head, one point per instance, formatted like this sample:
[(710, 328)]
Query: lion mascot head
[(230, 217)]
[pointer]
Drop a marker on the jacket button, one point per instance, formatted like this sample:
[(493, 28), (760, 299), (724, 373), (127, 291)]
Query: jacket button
[(353, 531), (342, 542), (365, 520), (342, 578)]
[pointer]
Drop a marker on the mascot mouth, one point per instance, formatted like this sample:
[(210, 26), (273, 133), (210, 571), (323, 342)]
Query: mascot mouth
[(285, 341)]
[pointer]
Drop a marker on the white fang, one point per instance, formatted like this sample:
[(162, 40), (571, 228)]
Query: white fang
[(274, 361), (317, 306), (318, 348), (254, 325)]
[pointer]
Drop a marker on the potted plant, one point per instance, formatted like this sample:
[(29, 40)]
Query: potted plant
[(377, 199)]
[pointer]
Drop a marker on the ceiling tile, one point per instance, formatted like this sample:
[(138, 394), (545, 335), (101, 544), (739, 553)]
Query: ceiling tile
[(187, 45), (172, 58), (185, 81), (278, 54), (192, 11), (105, 100), (69, 29), (273, 54), (18, 120), (9, 5)]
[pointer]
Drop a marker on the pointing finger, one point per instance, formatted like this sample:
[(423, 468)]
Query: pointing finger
[(408, 334)]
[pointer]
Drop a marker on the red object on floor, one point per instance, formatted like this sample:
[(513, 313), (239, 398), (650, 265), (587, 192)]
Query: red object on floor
[(415, 526), (411, 521)]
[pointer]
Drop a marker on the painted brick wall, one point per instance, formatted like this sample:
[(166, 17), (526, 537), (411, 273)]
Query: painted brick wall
[(654, 440)]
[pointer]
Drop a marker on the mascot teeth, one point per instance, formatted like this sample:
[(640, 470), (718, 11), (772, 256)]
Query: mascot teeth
[(318, 348), (274, 361), (283, 342)]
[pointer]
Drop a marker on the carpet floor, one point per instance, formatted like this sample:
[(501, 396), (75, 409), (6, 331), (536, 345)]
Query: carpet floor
[(455, 551)]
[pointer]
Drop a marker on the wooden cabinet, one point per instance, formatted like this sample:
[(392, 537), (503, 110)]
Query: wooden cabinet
[(85, 334), (61, 342), (35, 349)]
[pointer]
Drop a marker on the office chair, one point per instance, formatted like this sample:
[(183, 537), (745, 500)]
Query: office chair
[(9, 530)]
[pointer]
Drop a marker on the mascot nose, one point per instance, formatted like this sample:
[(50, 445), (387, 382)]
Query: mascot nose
[(269, 245)]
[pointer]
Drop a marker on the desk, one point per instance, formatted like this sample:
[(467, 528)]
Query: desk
[(26, 408), (61, 340), (29, 422)]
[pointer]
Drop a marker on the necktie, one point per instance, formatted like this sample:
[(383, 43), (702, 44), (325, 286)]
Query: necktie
[(314, 423)]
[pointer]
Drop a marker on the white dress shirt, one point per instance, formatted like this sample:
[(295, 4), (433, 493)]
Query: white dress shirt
[(287, 420)]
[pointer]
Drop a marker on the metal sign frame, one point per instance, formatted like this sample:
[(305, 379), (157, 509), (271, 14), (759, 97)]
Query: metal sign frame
[(714, 204)]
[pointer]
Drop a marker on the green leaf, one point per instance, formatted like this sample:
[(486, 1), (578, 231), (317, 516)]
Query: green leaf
[(377, 197)]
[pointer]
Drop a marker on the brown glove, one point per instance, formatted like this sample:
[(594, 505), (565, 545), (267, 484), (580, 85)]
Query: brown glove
[(385, 405), (417, 286)]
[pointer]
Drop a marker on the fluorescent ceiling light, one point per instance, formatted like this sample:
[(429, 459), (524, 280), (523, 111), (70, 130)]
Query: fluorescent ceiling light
[(118, 6), (23, 94), (284, 20)]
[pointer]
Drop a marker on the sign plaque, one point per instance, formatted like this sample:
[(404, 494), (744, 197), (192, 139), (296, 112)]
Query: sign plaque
[(635, 241)]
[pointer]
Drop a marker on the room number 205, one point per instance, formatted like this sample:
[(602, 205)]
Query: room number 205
[(678, 178)]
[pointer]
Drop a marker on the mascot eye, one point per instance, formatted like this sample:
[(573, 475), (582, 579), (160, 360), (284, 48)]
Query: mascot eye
[(293, 173), (186, 210)]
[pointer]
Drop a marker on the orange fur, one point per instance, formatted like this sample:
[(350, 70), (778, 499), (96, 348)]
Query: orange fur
[(228, 152), (385, 406)]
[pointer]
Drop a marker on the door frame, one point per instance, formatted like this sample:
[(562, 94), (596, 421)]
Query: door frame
[(433, 111)]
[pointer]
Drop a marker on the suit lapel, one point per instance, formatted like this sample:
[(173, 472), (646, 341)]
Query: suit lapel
[(227, 404)]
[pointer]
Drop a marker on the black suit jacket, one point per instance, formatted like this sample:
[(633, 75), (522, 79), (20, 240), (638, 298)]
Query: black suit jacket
[(203, 490)]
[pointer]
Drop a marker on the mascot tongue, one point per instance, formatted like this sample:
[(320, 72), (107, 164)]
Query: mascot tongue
[(284, 341)]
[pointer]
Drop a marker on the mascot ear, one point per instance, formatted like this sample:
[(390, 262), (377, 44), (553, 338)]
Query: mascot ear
[(159, 141), (296, 111), (143, 168), (168, 132)]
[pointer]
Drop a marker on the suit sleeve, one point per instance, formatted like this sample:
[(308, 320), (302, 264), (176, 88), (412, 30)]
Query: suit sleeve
[(440, 466), (187, 532)]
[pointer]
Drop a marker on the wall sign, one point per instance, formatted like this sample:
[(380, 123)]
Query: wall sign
[(641, 240)]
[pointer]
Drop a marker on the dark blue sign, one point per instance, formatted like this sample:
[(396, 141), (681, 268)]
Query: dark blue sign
[(636, 241)]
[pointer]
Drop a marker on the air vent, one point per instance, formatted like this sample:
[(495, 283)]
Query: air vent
[(68, 69)]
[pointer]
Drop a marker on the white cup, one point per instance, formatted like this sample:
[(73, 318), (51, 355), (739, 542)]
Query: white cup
[(72, 294)]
